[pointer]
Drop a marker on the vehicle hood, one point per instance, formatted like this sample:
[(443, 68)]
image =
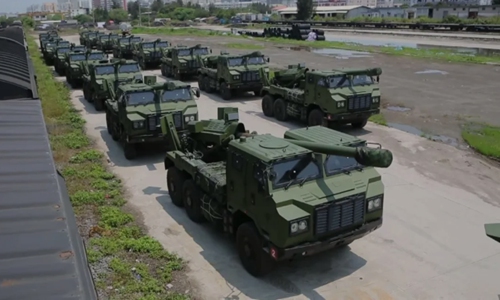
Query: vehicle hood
[(342, 93), (242, 69), (142, 111)]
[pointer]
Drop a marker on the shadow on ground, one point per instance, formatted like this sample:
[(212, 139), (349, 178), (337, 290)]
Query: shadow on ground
[(293, 278)]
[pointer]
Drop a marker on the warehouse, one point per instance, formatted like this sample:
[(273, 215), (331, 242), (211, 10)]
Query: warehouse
[(329, 11)]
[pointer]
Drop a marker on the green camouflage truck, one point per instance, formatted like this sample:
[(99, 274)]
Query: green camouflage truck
[(122, 47), (46, 36), (60, 57), (50, 48), (322, 97), (181, 62), (105, 42), (87, 35), (95, 86), (133, 112), (76, 65), (92, 39), (229, 74), (83, 35), (493, 231), (149, 54), (48, 40), (281, 198)]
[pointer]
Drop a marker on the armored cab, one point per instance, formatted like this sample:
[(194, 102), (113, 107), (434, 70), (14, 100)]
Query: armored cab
[(134, 110), (122, 47), (76, 65), (229, 74), (96, 83), (493, 231), (282, 198), (93, 39), (61, 54), (324, 98), (149, 54), (182, 62), (49, 53), (105, 42)]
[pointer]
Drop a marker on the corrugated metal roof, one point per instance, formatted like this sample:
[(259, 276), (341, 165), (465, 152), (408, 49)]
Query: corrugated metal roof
[(16, 76), (41, 252)]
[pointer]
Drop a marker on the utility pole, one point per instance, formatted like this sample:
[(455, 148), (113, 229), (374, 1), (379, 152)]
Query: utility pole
[(140, 16)]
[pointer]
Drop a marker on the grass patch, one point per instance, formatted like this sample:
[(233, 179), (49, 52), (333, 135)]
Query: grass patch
[(125, 262), (483, 138), (378, 119), (244, 46), (434, 54)]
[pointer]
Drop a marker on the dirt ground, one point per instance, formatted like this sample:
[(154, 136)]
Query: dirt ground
[(438, 96)]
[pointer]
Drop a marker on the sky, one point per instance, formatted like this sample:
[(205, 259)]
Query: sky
[(12, 6)]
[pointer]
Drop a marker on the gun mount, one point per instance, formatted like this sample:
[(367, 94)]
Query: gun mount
[(493, 231)]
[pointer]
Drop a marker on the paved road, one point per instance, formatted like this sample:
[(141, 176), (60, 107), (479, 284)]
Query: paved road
[(432, 244), (367, 37)]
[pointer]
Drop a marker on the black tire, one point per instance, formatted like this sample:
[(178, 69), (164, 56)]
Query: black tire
[(225, 91), (163, 73), (99, 104), (250, 249), (257, 92), (279, 108), (201, 83), (86, 92), (192, 199), (115, 132), (316, 117), (177, 74), (130, 151), (360, 124), (206, 82), (109, 122), (267, 106), (175, 182)]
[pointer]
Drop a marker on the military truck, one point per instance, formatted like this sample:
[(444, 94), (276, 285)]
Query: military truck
[(60, 57), (180, 62), (122, 47), (134, 110), (47, 35), (105, 42), (148, 54), (76, 65), (50, 49), (282, 198), (92, 40), (95, 86), (493, 231), (326, 97), (229, 74), (85, 35), (44, 42)]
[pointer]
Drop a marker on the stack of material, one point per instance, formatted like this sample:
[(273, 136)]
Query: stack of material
[(297, 32)]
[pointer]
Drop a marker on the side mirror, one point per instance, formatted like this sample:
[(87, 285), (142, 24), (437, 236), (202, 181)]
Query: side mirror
[(378, 78), (268, 60), (196, 92), (210, 50)]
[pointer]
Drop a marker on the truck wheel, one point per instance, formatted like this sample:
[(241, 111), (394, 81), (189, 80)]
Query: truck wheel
[(109, 123), (85, 92), (316, 117), (115, 132), (359, 124), (279, 108), (225, 91), (130, 151), (163, 73), (267, 105), (256, 92), (192, 199), (250, 249), (98, 104), (201, 83), (206, 83), (175, 182)]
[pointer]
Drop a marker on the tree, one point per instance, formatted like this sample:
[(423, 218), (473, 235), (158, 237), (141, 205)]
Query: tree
[(118, 15), (84, 19), (157, 5), (101, 15), (133, 9), (304, 9)]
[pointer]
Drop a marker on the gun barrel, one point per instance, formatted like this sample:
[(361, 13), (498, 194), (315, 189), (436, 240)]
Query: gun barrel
[(380, 158)]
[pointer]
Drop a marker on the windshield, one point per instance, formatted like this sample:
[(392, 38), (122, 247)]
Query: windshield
[(335, 164), (362, 80), (344, 81), (138, 98), (77, 57), (104, 37), (129, 68), (240, 61), (177, 94), (136, 39), (124, 41), (148, 45), (162, 44), (63, 50), (184, 52), (63, 44), (200, 51), (104, 70), (96, 56), (296, 170)]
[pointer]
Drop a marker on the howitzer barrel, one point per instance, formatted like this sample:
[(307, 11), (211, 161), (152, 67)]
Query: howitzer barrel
[(380, 158), (493, 231)]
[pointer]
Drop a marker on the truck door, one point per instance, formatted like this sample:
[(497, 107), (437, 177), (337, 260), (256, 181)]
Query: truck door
[(310, 88), (236, 179)]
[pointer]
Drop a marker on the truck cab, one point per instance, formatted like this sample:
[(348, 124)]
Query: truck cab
[(122, 47), (76, 65), (182, 61), (149, 54)]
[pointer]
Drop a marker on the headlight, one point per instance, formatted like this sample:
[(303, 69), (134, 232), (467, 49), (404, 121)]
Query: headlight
[(340, 104), (236, 77), (374, 203), (376, 99), (299, 226), (190, 118), (138, 124)]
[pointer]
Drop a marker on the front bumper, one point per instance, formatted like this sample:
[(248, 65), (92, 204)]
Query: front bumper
[(149, 138), (352, 116), (246, 86), (308, 249)]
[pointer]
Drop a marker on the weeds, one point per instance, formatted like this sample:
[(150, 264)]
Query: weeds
[(126, 263), (483, 138), (378, 119)]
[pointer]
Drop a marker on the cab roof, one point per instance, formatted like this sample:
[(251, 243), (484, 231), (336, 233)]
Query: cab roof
[(171, 85), (267, 147), (139, 87), (323, 135)]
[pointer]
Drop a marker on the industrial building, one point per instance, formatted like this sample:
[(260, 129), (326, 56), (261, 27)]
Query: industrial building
[(330, 11)]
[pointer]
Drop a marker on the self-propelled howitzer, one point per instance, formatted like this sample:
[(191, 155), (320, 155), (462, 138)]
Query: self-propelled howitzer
[(313, 190)]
